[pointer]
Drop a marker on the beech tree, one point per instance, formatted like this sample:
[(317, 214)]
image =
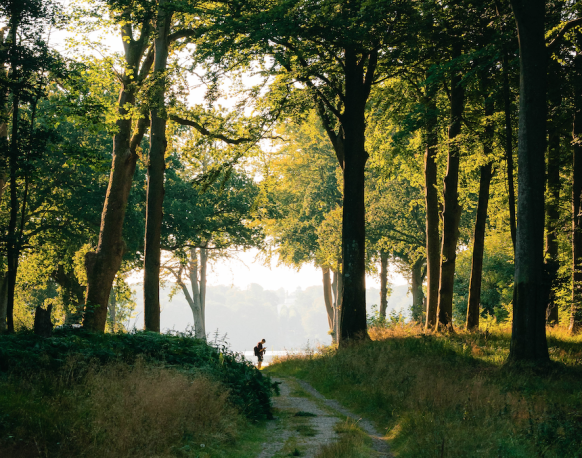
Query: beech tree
[(330, 54)]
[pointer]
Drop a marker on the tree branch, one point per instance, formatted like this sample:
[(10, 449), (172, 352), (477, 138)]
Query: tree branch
[(556, 41), (204, 131)]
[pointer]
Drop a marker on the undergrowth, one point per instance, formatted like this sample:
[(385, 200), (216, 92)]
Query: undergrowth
[(451, 395), (140, 394)]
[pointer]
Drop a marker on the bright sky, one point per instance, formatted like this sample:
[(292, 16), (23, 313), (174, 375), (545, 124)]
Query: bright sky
[(247, 270)]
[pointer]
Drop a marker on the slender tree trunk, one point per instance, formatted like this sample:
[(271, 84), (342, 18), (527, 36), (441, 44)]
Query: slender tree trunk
[(3, 301), (452, 209), (481, 219), (383, 284), (337, 300), (509, 148), (416, 280), (102, 264), (327, 296), (112, 310), (203, 269), (528, 339), (432, 217), (553, 188), (353, 312), (156, 167), (478, 249), (576, 306), (3, 143), (13, 249), (197, 298)]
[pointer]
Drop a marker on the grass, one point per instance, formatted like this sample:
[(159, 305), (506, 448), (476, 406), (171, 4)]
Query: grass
[(353, 443), (451, 395), (127, 395)]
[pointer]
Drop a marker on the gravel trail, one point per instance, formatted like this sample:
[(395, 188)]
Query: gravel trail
[(305, 433)]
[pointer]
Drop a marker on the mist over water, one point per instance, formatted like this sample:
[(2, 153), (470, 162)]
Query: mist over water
[(243, 316)]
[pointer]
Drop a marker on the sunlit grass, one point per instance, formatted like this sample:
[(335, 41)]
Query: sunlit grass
[(451, 395)]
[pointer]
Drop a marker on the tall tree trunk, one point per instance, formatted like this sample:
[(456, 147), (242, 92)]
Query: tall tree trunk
[(102, 264), (337, 288), (432, 217), (478, 249), (3, 300), (383, 284), (327, 296), (203, 269), (528, 339), (416, 280), (576, 305), (553, 187), (509, 148), (13, 249), (452, 209), (353, 311), (156, 167), (113, 310), (481, 219)]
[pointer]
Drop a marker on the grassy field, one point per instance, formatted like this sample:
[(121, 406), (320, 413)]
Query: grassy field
[(451, 395)]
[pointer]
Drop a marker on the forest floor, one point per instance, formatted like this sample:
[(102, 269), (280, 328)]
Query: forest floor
[(309, 425)]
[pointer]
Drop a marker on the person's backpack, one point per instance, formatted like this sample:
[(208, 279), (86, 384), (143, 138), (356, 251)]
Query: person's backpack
[(257, 351)]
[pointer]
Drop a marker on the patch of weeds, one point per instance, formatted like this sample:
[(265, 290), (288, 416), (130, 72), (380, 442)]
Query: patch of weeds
[(353, 442), (301, 413), (290, 448), (306, 430)]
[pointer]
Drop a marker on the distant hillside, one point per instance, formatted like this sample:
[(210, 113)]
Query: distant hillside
[(285, 320)]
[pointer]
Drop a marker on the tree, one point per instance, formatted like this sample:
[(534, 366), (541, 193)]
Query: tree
[(103, 263), (528, 339), (330, 54)]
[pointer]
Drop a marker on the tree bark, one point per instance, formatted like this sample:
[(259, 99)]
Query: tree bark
[(528, 339), (357, 89), (3, 301), (478, 249), (481, 219), (509, 148), (196, 300), (102, 264), (576, 305), (383, 284), (327, 296), (113, 309), (13, 249), (416, 280), (553, 188), (451, 209), (156, 167), (432, 217), (337, 288)]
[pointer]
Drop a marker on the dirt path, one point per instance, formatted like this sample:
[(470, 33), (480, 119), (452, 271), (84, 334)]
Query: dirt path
[(305, 421)]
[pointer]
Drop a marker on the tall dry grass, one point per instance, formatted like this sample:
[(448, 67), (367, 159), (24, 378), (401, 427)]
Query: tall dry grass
[(117, 411)]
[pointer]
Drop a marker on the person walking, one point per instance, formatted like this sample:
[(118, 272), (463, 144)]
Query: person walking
[(259, 352)]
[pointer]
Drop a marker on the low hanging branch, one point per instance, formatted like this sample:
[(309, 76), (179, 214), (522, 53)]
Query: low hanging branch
[(567, 27), (204, 131)]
